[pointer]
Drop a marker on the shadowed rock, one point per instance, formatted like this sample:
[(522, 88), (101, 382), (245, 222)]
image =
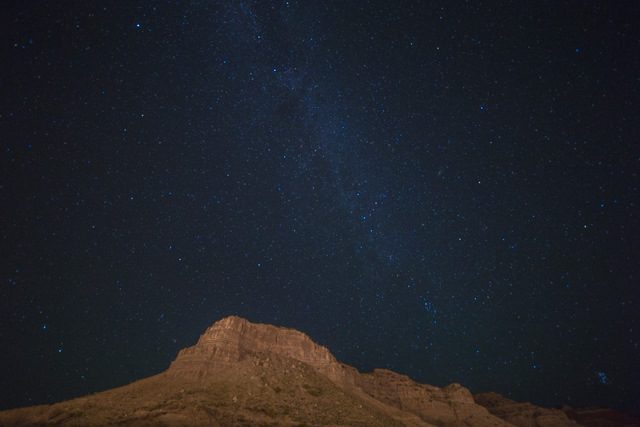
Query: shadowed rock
[(522, 414)]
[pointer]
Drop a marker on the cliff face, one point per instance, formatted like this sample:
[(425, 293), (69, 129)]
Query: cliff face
[(233, 339)]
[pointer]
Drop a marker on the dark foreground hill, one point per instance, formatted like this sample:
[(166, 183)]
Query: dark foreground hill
[(246, 374)]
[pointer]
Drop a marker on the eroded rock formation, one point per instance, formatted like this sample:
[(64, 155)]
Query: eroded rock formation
[(243, 373)]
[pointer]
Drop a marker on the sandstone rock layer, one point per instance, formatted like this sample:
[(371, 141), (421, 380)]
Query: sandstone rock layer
[(233, 339)]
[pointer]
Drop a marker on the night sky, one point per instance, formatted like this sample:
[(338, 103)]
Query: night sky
[(446, 189)]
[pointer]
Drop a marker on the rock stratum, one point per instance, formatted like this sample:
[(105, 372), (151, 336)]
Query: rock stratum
[(246, 374)]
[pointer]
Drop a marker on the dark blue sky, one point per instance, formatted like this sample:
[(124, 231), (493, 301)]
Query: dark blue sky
[(448, 191)]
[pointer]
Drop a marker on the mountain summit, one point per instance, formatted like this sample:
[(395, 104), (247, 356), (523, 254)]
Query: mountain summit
[(244, 374), (234, 339)]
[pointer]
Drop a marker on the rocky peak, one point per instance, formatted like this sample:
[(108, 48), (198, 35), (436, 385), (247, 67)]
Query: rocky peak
[(233, 339)]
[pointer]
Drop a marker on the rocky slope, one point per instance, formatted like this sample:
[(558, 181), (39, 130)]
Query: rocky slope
[(242, 373), (522, 414)]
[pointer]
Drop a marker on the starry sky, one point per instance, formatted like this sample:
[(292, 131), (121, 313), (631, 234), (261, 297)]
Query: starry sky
[(445, 189)]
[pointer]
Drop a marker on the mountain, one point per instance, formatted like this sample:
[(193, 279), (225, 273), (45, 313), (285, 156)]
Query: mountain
[(245, 374)]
